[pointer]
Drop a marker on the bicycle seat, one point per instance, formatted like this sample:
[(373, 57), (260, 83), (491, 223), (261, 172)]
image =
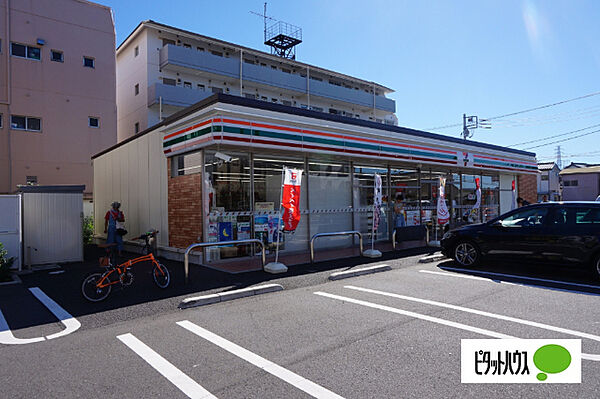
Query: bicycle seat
[(107, 245)]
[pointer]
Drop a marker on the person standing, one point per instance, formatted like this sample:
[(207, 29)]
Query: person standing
[(112, 221)]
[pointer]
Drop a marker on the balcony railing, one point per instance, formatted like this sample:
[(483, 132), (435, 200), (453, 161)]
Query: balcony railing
[(181, 57)]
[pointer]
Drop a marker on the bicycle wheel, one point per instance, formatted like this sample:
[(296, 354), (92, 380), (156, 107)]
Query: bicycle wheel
[(91, 291), (161, 275)]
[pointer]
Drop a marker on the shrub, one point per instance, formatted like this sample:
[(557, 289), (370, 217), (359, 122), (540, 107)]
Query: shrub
[(88, 229), (5, 264)]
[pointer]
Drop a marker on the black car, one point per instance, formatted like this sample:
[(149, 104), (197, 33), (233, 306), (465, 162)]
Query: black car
[(564, 232)]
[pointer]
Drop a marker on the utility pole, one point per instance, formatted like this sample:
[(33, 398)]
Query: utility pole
[(559, 157), (473, 122)]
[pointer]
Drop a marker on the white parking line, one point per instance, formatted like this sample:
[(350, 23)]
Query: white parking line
[(486, 314), (520, 277), (294, 379), (181, 380), (522, 284), (71, 324)]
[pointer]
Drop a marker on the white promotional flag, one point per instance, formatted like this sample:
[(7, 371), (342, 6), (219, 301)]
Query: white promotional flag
[(376, 202), (443, 215)]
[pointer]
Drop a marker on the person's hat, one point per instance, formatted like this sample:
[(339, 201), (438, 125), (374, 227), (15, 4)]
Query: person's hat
[(116, 204)]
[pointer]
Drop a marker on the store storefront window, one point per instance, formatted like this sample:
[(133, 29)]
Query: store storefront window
[(267, 196), (490, 193), (364, 188), (469, 199), (227, 189), (404, 196), (186, 164), (330, 193)]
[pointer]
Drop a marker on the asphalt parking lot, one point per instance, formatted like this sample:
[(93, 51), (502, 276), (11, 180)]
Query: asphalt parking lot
[(391, 334)]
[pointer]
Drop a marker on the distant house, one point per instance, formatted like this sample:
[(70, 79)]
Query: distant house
[(548, 181), (580, 165), (580, 183)]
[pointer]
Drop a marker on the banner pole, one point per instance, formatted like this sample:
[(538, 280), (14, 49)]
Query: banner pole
[(279, 217)]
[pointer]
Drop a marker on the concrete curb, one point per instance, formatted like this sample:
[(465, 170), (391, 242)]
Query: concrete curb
[(432, 258), (359, 272), (15, 280), (228, 295)]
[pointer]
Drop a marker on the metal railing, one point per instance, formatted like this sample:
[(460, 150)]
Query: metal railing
[(186, 257), (337, 233)]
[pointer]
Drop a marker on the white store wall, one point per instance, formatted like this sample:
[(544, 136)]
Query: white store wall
[(134, 174)]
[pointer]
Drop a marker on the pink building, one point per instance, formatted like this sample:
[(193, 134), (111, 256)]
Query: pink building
[(57, 90)]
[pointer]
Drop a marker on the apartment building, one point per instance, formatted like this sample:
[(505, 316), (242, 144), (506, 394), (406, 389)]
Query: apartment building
[(162, 69), (57, 90)]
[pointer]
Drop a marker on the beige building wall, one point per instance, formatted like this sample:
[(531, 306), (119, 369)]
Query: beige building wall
[(62, 94), (134, 174), (133, 69)]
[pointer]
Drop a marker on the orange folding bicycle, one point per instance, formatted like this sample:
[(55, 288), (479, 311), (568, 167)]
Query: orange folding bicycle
[(97, 286)]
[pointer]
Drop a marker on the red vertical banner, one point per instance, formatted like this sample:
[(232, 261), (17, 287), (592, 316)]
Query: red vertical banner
[(290, 199)]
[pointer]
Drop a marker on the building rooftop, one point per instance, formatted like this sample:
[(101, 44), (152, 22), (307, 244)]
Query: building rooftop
[(580, 170), (247, 102), (160, 26), (546, 165)]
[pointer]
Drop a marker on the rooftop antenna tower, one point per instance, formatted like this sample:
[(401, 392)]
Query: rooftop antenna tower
[(280, 36)]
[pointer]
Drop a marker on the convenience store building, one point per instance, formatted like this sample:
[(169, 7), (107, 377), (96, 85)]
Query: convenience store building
[(212, 172)]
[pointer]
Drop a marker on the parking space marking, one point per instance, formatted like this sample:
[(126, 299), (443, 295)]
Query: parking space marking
[(520, 277), (522, 284), (286, 375), (177, 377), (486, 314), (71, 323)]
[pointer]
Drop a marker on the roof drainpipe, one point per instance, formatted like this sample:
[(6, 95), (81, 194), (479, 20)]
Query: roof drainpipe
[(8, 93)]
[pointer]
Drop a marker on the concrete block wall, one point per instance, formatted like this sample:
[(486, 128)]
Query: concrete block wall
[(527, 187), (185, 209)]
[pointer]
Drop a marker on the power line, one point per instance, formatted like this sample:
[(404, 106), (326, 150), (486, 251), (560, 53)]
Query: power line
[(563, 140), (555, 136), (525, 110)]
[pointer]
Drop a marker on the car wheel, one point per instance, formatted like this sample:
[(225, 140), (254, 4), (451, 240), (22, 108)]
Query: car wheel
[(596, 267), (466, 253)]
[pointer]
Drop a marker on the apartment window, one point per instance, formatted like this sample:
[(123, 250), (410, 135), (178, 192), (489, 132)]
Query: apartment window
[(216, 90), (263, 64), (317, 109), (88, 62), (544, 177), (571, 183), (56, 56), (286, 70), (169, 81), (136, 128), (136, 51), (287, 102), (264, 98), (136, 89), (23, 51), (0, 121), (248, 95), (273, 67), (303, 106), (317, 79), (333, 111), (31, 180), (94, 121), (187, 45), (247, 61), (187, 85), (273, 100), (167, 41), (218, 53), (200, 48), (201, 87), (29, 123)]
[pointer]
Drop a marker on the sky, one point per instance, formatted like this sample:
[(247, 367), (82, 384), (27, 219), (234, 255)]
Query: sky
[(442, 58)]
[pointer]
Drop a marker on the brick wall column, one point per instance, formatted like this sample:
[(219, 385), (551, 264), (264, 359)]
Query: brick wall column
[(527, 187), (185, 208)]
